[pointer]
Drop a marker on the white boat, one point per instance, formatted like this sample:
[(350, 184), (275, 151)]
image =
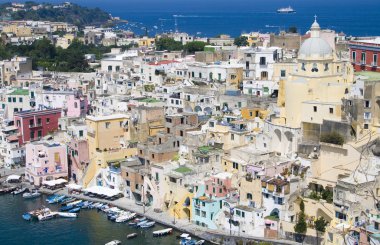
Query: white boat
[(46, 216), (287, 10), (125, 217), (114, 242), (200, 242), (19, 191), (74, 203), (163, 232), (67, 215), (30, 195)]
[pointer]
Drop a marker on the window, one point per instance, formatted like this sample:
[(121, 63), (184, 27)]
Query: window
[(353, 56), (39, 133), (363, 58), (250, 113), (283, 73), (39, 121), (315, 108), (367, 104), (47, 120), (75, 104), (109, 68), (331, 110), (107, 124), (315, 68), (365, 126), (232, 137), (80, 133), (203, 214), (213, 189), (326, 67), (9, 99), (249, 196), (235, 165), (263, 61), (200, 75), (14, 99), (303, 67), (367, 115), (20, 100), (220, 190), (374, 63)]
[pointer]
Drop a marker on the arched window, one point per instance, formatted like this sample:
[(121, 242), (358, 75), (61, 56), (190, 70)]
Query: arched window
[(249, 196), (315, 68)]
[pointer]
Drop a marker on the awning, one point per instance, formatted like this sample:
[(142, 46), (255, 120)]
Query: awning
[(101, 190), (13, 177), (73, 186), (54, 182)]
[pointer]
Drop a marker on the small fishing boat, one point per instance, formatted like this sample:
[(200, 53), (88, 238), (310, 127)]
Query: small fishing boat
[(183, 235), (140, 219), (66, 208), (139, 224), (67, 215), (125, 216), (132, 235), (56, 200), (46, 216), (74, 203), (200, 242), (74, 210), (27, 216), (19, 191), (163, 232), (114, 242), (148, 224), (68, 200), (30, 195)]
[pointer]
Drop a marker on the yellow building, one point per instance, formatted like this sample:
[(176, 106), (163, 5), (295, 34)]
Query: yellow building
[(248, 113), (18, 30), (65, 41), (108, 139), (146, 42), (315, 90)]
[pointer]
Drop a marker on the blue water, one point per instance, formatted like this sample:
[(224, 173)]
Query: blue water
[(90, 228), (214, 17)]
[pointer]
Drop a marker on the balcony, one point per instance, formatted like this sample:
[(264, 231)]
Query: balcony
[(36, 125)]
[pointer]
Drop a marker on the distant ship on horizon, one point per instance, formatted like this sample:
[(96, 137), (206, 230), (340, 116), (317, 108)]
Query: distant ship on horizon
[(287, 10)]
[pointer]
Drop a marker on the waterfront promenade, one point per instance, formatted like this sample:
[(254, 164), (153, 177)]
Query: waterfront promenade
[(216, 237)]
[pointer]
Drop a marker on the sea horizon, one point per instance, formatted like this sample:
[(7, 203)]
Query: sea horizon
[(211, 18)]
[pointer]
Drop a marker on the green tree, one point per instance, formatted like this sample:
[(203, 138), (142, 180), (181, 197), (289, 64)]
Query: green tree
[(168, 44), (332, 138), (320, 224), (241, 41), (301, 226), (195, 46)]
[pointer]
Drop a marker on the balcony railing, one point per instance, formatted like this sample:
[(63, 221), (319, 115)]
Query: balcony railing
[(35, 125)]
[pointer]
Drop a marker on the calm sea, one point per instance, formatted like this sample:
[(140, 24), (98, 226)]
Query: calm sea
[(213, 17), (90, 228)]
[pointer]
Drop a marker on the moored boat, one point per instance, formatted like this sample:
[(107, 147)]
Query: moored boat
[(27, 216), (148, 224), (132, 235), (163, 232), (46, 216), (114, 242), (30, 195), (67, 215), (18, 191), (74, 210), (139, 224)]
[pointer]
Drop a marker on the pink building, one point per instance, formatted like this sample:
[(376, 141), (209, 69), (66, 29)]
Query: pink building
[(77, 105), (219, 185), (45, 161)]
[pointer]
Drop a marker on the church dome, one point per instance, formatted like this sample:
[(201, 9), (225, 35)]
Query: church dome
[(315, 46)]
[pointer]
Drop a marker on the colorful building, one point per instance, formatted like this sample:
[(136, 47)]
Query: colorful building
[(45, 161), (33, 125), (364, 54)]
